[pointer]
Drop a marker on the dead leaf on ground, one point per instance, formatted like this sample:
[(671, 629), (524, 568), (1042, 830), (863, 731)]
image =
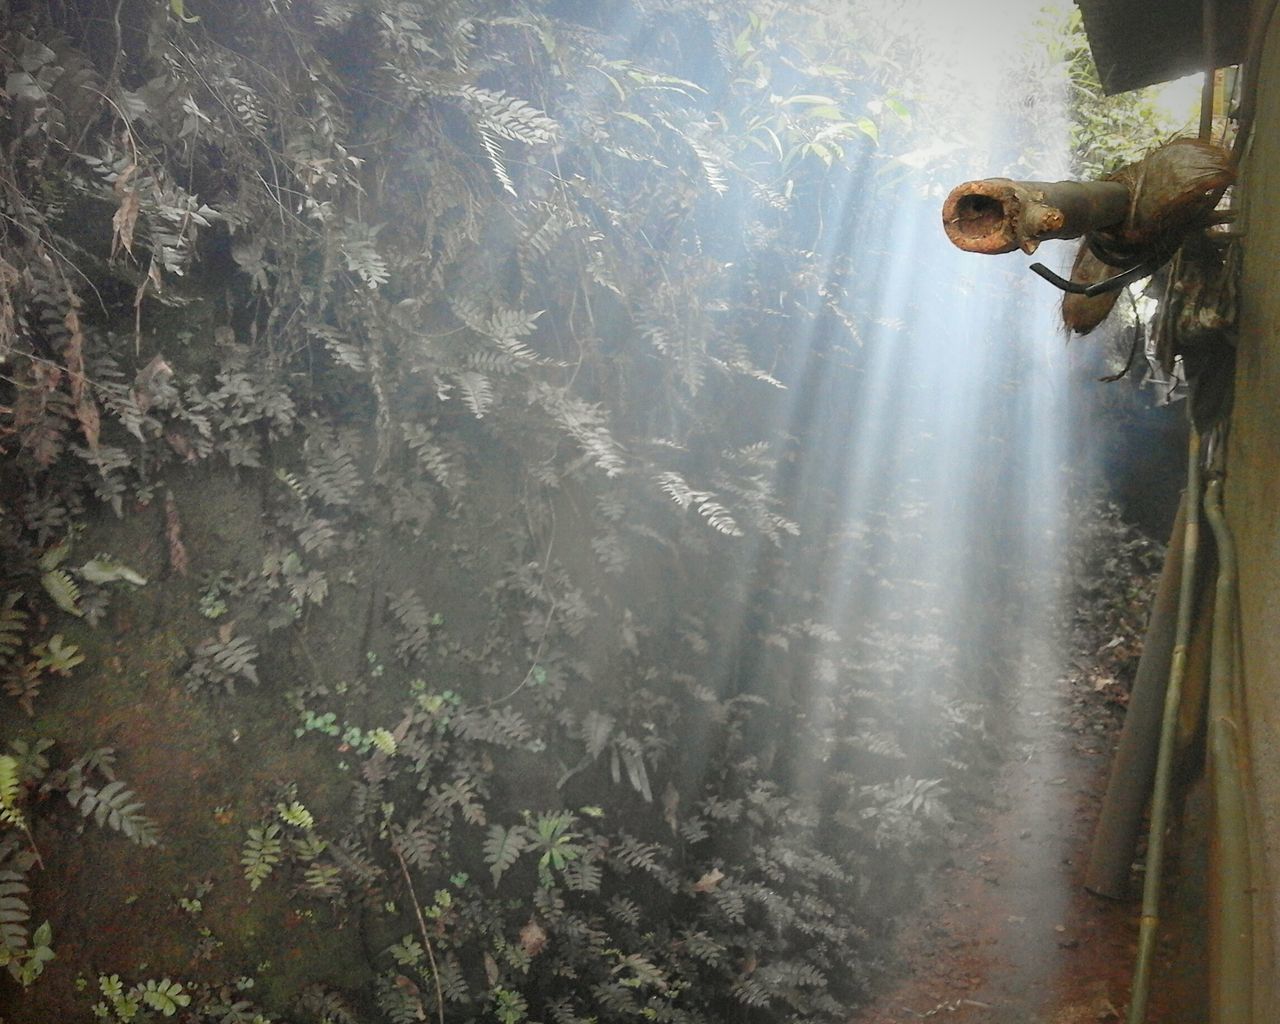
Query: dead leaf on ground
[(533, 938)]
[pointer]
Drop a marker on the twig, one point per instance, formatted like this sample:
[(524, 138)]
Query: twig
[(31, 840), (422, 928)]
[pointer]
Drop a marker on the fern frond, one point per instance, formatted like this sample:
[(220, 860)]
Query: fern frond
[(323, 879), (716, 515), (361, 254), (586, 424), (622, 909), (433, 459), (508, 117), (295, 813), (13, 624), (164, 995), (493, 150), (418, 842), (597, 731), (583, 875), (57, 656), (635, 854), (64, 591), (703, 947), (10, 789), (222, 662), (502, 848), (262, 852), (117, 807), (416, 626), (14, 913), (22, 682), (331, 473), (504, 726), (712, 169), (477, 392)]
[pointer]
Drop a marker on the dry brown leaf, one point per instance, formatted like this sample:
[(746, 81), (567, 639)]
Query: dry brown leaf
[(156, 373), (533, 938), (90, 420), (173, 533), (181, 445), (73, 351), (9, 280), (123, 223), (124, 178), (709, 881)]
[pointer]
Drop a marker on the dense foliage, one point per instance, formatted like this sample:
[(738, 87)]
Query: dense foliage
[(467, 301), (1107, 131)]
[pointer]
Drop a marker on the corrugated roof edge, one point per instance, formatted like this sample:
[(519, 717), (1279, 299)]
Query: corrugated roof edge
[(1135, 45)]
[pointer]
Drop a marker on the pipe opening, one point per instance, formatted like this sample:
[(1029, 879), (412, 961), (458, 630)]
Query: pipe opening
[(978, 215)]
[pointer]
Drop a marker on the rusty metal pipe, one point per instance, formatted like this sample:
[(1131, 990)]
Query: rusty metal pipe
[(996, 215)]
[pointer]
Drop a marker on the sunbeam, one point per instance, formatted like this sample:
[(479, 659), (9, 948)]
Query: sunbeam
[(518, 511)]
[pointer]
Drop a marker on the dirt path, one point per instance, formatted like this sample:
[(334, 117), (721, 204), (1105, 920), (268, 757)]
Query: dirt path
[(1008, 934)]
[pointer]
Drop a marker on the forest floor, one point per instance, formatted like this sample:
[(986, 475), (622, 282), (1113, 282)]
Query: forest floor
[(1007, 933)]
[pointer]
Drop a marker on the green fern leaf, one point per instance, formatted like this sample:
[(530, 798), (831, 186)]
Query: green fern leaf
[(166, 996), (503, 847), (14, 913), (116, 806), (105, 569), (58, 656), (10, 788), (13, 623), (297, 815), (62, 588), (261, 853), (55, 556)]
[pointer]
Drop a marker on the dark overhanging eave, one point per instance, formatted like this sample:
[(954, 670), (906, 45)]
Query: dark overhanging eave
[(1137, 43)]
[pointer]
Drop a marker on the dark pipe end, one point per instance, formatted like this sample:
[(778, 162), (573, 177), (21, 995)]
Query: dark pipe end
[(978, 215)]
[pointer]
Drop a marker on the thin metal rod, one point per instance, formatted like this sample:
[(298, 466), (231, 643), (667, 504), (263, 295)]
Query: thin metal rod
[(1209, 36), (1111, 284), (1259, 25), (1164, 759)]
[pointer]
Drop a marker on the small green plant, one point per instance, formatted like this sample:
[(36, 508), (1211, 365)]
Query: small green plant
[(222, 662), (57, 656), (22, 677), (164, 996), (62, 584), (116, 806), (508, 1006), (10, 788), (326, 723), (407, 952), (26, 965), (296, 814)]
